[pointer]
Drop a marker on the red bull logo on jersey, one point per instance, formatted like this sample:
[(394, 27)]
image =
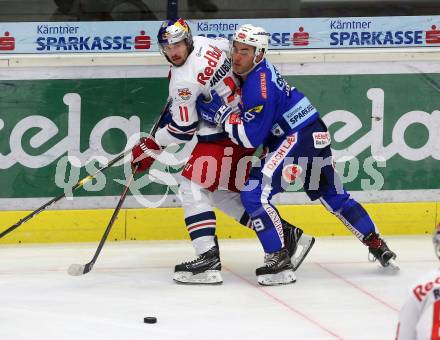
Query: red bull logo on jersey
[(184, 93), (213, 56)]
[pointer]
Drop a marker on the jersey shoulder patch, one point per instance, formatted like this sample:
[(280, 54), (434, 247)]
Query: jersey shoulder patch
[(255, 92), (258, 86)]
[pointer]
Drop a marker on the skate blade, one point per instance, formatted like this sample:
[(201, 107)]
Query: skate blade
[(305, 243), (209, 277), (283, 278), (392, 267)]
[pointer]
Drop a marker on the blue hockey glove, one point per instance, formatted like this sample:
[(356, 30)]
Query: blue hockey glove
[(215, 111)]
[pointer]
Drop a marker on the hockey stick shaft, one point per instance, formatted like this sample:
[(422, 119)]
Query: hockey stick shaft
[(75, 269), (81, 182)]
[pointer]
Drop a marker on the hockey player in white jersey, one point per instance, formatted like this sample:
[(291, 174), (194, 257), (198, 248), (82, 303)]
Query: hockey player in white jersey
[(419, 317), (199, 65)]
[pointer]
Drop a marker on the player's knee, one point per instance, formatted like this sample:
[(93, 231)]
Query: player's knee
[(337, 202), (191, 193)]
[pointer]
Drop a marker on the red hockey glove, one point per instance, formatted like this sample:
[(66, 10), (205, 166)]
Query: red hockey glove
[(144, 153)]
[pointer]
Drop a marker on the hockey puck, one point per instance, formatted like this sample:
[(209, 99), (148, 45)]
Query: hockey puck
[(150, 319)]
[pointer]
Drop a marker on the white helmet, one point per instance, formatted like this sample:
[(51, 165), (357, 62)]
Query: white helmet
[(436, 240), (254, 36)]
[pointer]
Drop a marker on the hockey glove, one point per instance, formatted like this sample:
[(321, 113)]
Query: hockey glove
[(215, 111), (144, 154)]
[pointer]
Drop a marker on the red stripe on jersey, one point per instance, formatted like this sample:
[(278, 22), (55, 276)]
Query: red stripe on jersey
[(436, 321)]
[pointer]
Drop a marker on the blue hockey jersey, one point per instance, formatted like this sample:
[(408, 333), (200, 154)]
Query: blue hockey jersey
[(270, 107)]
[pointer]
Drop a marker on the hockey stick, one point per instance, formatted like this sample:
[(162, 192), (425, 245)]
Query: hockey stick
[(81, 269), (81, 182)]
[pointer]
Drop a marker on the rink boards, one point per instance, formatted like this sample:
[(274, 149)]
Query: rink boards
[(168, 223), (383, 111)]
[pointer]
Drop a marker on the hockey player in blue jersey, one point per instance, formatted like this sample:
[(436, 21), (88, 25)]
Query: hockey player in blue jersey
[(282, 120), (203, 187)]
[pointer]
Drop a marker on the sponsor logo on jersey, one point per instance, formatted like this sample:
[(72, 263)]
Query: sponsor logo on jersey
[(220, 73), (234, 118), (299, 113), (68, 38), (275, 218), (184, 93), (263, 86), (321, 139), (7, 43), (420, 291), (213, 56), (256, 109), (291, 172), (278, 156), (249, 115)]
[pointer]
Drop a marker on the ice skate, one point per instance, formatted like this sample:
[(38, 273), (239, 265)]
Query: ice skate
[(297, 243), (278, 269), (205, 269), (380, 251)]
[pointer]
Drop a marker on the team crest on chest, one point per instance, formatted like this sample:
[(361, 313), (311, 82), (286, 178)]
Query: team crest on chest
[(184, 93)]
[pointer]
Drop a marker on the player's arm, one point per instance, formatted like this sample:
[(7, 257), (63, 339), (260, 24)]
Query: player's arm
[(251, 125), (408, 318), (178, 126)]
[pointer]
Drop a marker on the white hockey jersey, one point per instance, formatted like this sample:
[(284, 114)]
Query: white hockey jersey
[(419, 317), (206, 68)]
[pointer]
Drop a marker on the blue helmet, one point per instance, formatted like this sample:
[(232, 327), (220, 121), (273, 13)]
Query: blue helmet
[(173, 31)]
